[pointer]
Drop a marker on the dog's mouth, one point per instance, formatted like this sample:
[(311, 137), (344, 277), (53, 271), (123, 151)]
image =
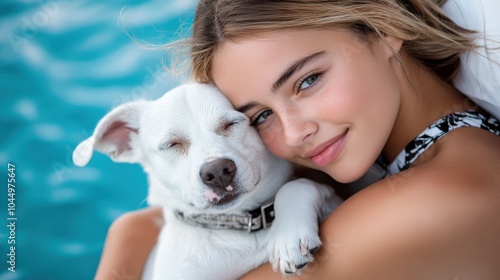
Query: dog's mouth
[(226, 199)]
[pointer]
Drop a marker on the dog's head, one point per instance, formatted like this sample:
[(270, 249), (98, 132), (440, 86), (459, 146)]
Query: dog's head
[(199, 153)]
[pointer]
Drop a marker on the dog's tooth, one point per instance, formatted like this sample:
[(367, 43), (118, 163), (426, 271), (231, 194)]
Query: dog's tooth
[(229, 188)]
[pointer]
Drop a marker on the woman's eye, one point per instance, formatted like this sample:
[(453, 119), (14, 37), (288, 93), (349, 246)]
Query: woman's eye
[(261, 117), (308, 81)]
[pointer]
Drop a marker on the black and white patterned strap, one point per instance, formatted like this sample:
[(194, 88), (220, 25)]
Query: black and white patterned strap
[(254, 220), (429, 136)]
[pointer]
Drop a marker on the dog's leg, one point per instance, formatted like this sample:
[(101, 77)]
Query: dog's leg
[(299, 207)]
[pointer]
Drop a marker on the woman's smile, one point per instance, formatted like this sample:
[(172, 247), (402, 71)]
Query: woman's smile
[(327, 152)]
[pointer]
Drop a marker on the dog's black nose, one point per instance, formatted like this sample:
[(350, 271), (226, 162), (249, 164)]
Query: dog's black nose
[(218, 174)]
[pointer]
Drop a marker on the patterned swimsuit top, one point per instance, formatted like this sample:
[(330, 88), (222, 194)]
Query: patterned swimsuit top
[(440, 128)]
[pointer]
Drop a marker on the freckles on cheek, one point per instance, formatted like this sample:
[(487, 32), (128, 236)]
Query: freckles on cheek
[(273, 143)]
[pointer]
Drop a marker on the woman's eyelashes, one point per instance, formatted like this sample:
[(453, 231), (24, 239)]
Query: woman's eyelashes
[(304, 84), (307, 82), (260, 117)]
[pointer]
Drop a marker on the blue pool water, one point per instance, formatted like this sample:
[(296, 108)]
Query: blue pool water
[(64, 64)]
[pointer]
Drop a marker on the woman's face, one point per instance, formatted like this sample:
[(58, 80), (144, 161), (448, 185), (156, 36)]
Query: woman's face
[(323, 99)]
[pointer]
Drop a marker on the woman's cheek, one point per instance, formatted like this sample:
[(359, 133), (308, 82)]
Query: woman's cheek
[(273, 142)]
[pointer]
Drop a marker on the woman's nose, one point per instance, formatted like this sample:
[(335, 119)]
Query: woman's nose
[(297, 129)]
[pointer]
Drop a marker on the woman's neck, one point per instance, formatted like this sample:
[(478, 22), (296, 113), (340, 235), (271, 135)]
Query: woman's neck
[(425, 98)]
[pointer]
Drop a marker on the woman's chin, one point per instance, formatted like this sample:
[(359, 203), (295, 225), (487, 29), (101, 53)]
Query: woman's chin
[(347, 174)]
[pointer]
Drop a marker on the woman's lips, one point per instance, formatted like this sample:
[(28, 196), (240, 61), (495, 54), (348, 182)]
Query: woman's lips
[(328, 151)]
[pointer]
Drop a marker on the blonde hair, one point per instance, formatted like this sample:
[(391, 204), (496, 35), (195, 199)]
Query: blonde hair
[(429, 35)]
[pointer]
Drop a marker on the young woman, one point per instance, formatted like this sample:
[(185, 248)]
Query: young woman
[(340, 85)]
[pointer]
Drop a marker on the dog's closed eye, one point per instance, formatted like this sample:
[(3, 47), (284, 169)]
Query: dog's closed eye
[(225, 126), (175, 144)]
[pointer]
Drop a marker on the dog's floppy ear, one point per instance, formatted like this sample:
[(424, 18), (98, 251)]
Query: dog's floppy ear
[(115, 135)]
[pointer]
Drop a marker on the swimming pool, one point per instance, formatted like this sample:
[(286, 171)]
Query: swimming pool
[(64, 65)]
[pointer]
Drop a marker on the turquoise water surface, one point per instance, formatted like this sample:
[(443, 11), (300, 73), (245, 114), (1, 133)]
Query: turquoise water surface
[(64, 64)]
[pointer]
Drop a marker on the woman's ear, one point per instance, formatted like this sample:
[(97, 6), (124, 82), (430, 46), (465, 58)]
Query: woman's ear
[(392, 45)]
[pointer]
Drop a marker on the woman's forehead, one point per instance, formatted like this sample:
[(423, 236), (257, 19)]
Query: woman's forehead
[(273, 52)]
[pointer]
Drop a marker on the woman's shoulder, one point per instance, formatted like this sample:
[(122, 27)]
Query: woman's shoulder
[(467, 157), (427, 208)]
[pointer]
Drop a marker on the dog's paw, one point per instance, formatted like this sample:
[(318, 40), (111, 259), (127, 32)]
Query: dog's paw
[(293, 250)]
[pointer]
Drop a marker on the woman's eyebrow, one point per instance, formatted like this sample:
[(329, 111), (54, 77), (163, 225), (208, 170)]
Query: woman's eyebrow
[(296, 66), (243, 109)]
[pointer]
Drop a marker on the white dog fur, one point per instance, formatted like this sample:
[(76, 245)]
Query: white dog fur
[(173, 138)]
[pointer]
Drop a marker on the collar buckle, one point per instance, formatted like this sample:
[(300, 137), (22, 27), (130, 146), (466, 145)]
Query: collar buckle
[(267, 212), (262, 217)]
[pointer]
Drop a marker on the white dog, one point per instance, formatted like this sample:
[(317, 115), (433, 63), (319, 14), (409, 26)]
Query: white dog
[(209, 170)]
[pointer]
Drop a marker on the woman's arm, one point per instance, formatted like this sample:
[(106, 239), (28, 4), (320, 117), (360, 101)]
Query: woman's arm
[(409, 226), (128, 243)]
